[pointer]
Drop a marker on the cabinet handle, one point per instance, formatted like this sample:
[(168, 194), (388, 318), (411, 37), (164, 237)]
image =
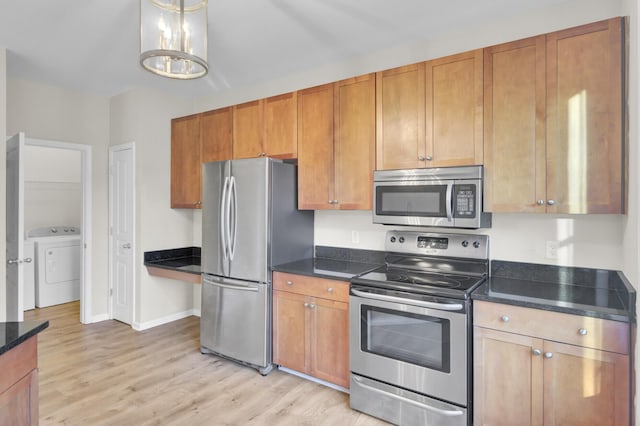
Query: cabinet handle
[(311, 305), (421, 158), (289, 283), (261, 154), (540, 202), (505, 318), (429, 158), (583, 331), (306, 305), (551, 202), (548, 355), (537, 352), (330, 289)]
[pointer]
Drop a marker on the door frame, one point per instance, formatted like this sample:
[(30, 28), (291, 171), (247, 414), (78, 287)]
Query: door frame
[(112, 149), (86, 236)]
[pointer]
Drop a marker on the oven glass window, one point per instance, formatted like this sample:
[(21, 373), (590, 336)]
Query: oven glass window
[(413, 200), (404, 336)]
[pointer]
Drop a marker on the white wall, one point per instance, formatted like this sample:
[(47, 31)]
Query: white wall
[(52, 187), (3, 183), (144, 117), (51, 113)]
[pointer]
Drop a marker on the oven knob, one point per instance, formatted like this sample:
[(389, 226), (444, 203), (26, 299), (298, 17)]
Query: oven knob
[(465, 243), (393, 239), (401, 240), (476, 244)]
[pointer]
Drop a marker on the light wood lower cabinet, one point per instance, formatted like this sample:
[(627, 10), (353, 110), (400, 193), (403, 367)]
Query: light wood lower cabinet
[(311, 326), (523, 376), (19, 385)]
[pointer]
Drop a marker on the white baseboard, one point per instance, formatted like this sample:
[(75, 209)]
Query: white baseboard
[(99, 318), (164, 320), (196, 312)]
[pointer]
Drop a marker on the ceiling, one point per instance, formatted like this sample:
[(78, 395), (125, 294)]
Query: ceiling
[(92, 45)]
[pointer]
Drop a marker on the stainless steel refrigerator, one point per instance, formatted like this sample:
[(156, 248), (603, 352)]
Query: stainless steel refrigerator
[(250, 222)]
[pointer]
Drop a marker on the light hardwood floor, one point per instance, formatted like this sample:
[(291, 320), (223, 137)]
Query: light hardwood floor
[(109, 374)]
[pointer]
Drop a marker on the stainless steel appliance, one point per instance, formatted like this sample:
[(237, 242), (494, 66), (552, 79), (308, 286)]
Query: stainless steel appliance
[(410, 329), (250, 222), (444, 197)]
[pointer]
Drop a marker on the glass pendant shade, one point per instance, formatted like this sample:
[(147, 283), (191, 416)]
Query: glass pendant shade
[(173, 37)]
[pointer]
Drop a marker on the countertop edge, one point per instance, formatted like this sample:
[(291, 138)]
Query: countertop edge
[(39, 327)]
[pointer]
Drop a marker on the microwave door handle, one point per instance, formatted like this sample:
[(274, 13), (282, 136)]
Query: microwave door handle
[(421, 303), (447, 413), (449, 201)]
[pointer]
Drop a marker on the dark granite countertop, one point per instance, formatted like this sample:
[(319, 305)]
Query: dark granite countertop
[(13, 334), (581, 291), (335, 263), (185, 259)]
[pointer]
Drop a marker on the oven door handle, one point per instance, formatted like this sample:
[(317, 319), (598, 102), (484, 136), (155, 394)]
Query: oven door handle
[(422, 303), (448, 413)]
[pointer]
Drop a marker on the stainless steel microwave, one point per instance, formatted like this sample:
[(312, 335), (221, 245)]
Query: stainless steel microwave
[(448, 197)]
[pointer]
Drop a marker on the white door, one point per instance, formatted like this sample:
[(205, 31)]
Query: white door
[(15, 227), (121, 211)]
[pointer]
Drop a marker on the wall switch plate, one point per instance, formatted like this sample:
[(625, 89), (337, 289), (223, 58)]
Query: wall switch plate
[(355, 237), (552, 250)]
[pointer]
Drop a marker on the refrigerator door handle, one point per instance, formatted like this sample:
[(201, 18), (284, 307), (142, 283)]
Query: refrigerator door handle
[(233, 197), (242, 287), (223, 224)]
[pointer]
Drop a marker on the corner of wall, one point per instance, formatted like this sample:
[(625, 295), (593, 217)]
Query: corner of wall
[(3, 132)]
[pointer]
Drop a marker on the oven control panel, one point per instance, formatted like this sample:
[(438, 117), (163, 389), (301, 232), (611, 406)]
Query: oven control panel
[(473, 246)]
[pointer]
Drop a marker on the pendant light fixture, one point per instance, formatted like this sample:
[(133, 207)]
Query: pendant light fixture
[(173, 37)]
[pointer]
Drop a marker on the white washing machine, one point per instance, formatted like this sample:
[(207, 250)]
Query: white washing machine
[(57, 264)]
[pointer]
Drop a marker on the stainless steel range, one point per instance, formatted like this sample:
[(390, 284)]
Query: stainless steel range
[(410, 328)]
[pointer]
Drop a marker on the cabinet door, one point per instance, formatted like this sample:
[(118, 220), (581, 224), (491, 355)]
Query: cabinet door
[(315, 148), (216, 135), (186, 168), (281, 126), (19, 403), (400, 116), (514, 139), (585, 386), (453, 124), (585, 119), (507, 378), (330, 341), (290, 342), (247, 130), (354, 142)]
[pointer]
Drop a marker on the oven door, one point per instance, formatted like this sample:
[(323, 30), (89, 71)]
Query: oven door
[(418, 348), (413, 202)]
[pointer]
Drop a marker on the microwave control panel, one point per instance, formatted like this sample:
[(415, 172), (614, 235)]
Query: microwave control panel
[(464, 200)]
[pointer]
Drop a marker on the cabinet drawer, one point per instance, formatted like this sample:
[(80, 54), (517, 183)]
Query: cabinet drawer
[(311, 286), (578, 330)]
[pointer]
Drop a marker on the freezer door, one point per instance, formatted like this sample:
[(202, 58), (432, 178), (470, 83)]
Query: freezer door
[(215, 189), (235, 320), (249, 219)]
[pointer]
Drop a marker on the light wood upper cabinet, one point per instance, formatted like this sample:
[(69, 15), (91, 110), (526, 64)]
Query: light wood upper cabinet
[(400, 117), (514, 114), (186, 169), (534, 367), (430, 114), (454, 103), (311, 326), (554, 122), (197, 139), (247, 129), (315, 148), (336, 134), (216, 134), (266, 127), (585, 171), (281, 126)]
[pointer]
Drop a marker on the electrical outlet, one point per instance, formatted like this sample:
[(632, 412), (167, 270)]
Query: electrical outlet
[(355, 237), (552, 250)]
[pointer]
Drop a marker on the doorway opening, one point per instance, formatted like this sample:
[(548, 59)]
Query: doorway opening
[(57, 201)]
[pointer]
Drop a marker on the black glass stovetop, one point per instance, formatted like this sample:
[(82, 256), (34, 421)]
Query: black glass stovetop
[(424, 282)]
